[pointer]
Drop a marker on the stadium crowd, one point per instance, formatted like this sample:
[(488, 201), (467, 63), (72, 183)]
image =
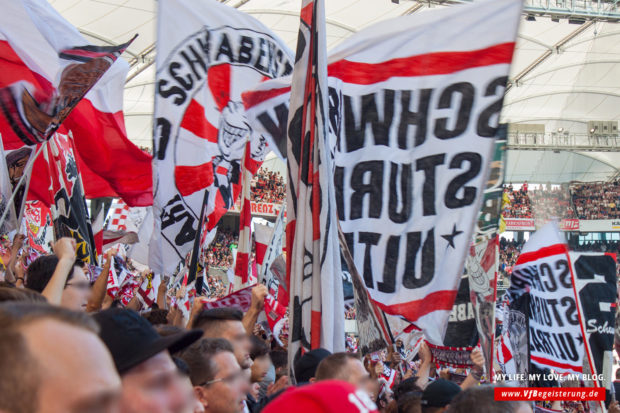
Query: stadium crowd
[(268, 186), (595, 200)]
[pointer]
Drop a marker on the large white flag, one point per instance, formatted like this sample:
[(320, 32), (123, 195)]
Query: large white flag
[(316, 306), (207, 55), (543, 270), (414, 106)]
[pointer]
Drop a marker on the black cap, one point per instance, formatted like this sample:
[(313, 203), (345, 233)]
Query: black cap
[(440, 393), (305, 367), (131, 339)]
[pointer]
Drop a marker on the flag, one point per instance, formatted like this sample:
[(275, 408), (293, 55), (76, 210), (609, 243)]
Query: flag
[(113, 285), (244, 249), (207, 55), (410, 160), (147, 294), (139, 251), (117, 216), (276, 315), (240, 299), (543, 272), (51, 77), (273, 270), (69, 210), (38, 219), (596, 289), (98, 232), (6, 189), (316, 305), (262, 236)]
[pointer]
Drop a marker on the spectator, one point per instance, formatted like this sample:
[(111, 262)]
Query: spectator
[(193, 404), (259, 354), (60, 278), (438, 395), (306, 366), (481, 400), (345, 367), (324, 397), (142, 357), (218, 380), (53, 361)]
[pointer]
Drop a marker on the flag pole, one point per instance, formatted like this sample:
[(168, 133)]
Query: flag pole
[(193, 265), (23, 178)]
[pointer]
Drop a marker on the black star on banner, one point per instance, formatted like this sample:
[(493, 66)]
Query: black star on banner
[(580, 339), (450, 237)]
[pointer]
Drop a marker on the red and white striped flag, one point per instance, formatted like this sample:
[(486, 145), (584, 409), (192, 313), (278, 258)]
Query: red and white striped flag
[(313, 274), (244, 248), (262, 237), (49, 77)]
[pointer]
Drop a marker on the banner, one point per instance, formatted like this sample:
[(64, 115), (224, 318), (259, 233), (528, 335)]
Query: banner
[(596, 292), (7, 186), (240, 299), (414, 105), (39, 227), (543, 269), (207, 54), (69, 210), (244, 250), (260, 208), (316, 306), (50, 77), (513, 348), (262, 236), (461, 330)]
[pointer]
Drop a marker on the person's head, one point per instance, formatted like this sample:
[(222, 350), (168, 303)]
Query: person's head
[(480, 399), (344, 367), (157, 317), (438, 395), (219, 382), (305, 367), (77, 288), (227, 323), (142, 358), (279, 359), (259, 353), (53, 361), (410, 402), (20, 294), (323, 397), (193, 404)]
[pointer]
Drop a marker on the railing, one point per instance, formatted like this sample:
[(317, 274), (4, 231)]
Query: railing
[(563, 141)]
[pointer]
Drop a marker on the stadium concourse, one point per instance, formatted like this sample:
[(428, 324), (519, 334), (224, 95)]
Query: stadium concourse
[(415, 265)]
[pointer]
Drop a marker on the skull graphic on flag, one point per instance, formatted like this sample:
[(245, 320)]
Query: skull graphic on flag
[(201, 129)]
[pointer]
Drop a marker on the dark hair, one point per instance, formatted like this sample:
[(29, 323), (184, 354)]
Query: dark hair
[(41, 270), (199, 358), (481, 399), (156, 317), (19, 377), (20, 294), (182, 366), (167, 330), (259, 348), (334, 366), (407, 386), (410, 403), (210, 321), (279, 358)]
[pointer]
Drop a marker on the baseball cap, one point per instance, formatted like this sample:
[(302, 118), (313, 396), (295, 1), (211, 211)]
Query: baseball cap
[(439, 393), (325, 396), (131, 339), (305, 367)]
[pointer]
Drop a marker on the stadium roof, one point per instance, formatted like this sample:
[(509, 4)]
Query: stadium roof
[(565, 71)]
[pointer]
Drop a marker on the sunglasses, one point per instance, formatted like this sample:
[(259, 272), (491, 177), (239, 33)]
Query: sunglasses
[(80, 285), (228, 379)]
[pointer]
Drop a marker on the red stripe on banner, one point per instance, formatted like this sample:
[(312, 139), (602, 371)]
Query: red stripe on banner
[(413, 310), (261, 250), (544, 252), (241, 266), (556, 364), (194, 120), (245, 218), (190, 179), (306, 16), (315, 329), (316, 206), (218, 79), (430, 64), (253, 98)]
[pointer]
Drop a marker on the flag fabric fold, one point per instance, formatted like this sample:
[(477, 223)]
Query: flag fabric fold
[(313, 275)]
